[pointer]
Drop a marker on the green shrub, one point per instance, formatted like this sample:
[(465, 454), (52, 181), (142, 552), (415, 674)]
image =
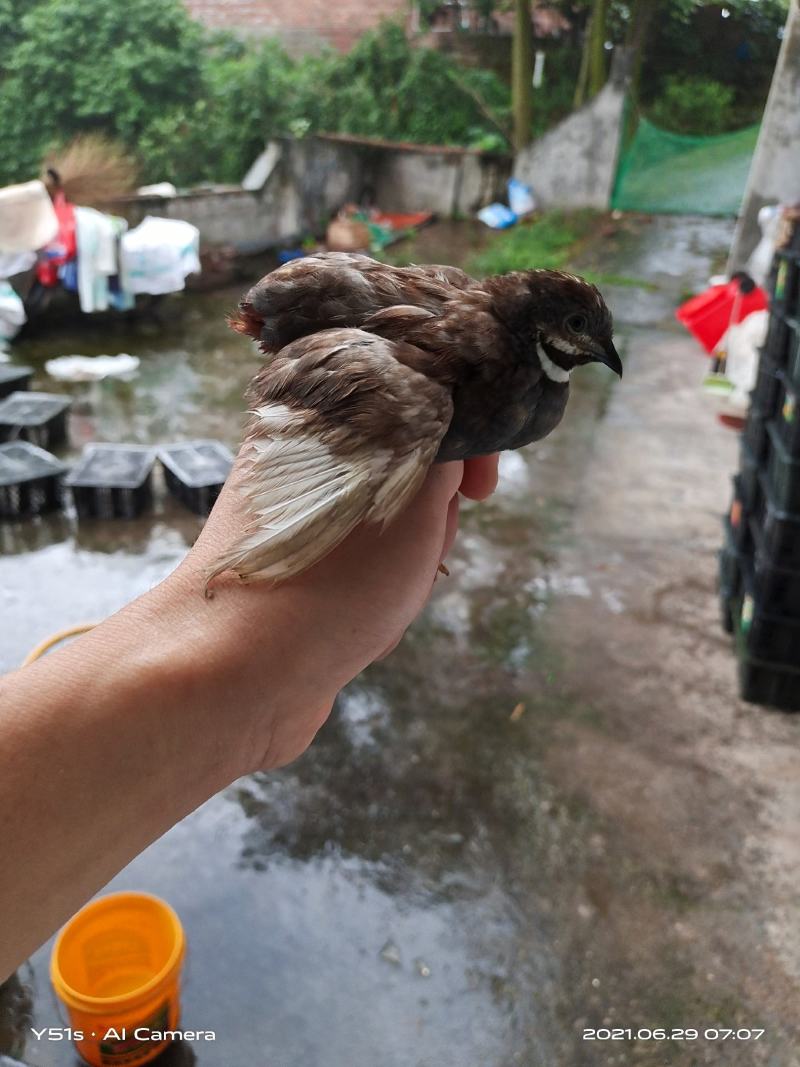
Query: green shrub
[(193, 106), (387, 88), (544, 241), (693, 105), (102, 66)]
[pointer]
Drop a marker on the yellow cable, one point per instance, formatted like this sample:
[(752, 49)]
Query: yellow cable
[(55, 639)]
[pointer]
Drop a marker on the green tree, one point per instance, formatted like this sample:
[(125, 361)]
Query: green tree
[(639, 21), (597, 46), (78, 66), (385, 87), (592, 72), (522, 74), (689, 37), (194, 106), (11, 31), (693, 105)]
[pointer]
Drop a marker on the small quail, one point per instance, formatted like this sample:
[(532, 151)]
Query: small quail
[(375, 372)]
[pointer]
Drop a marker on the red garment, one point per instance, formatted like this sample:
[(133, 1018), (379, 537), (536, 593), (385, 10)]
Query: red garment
[(62, 248)]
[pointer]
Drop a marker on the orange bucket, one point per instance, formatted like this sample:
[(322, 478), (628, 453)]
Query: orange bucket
[(116, 967)]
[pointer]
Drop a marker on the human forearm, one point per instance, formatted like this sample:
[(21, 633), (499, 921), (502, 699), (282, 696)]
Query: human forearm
[(107, 743), (103, 746)]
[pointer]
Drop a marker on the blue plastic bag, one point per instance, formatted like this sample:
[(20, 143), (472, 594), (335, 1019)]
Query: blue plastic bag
[(498, 216), (520, 197)]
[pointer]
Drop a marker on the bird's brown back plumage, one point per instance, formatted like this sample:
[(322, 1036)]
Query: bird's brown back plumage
[(374, 372), (336, 289)]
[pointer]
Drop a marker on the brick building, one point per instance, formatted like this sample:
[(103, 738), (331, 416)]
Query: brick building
[(301, 25), (307, 25)]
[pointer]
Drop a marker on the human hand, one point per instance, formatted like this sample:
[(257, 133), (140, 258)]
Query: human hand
[(287, 650)]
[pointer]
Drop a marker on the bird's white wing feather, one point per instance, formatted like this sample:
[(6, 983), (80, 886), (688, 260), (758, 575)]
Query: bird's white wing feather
[(309, 481)]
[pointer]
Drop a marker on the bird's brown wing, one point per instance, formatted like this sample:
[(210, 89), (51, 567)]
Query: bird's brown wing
[(337, 289), (343, 432), (455, 277)]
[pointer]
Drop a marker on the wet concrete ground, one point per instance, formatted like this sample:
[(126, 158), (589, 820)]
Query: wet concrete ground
[(439, 881)]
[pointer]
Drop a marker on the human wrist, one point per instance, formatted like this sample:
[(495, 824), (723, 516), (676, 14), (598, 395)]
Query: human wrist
[(154, 678), (248, 667)]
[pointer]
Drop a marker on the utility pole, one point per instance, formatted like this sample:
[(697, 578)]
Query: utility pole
[(775, 170)]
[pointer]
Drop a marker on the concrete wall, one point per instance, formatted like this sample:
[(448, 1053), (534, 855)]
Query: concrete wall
[(574, 165), (307, 181), (446, 181), (775, 170)]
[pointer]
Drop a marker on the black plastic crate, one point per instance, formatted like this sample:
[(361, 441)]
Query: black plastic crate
[(747, 481), (779, 531), (769, 685), (754, 433), (787, 280), (40, 418), (761, 633), (730, 564), (783, 473), (730, 575), (727, 601), (30, 480), (764, 397), (195, 472), (767, 647), (737, 525), (726, 613), (779, 338), (776, 588), (793, 357), (14, 379), (788, 415), (112, 481)]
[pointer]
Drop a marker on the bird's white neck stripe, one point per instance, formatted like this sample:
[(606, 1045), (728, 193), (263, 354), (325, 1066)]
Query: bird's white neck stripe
[(551, 369)]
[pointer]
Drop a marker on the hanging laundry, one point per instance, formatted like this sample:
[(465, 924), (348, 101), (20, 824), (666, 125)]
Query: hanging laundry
[(28, 220), (157, 256), (68, 276), (12, 309), (12, 313), (96, 239), (62, 247), (12, 263)]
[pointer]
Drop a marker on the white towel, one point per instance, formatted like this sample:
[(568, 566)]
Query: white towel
[(158, 255)]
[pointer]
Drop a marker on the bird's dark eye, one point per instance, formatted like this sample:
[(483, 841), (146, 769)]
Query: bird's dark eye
[(576, 323)]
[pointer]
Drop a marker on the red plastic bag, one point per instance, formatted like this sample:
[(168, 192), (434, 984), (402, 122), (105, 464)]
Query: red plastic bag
[(708, 315)]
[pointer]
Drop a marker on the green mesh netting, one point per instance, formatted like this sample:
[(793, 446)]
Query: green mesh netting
[(671, 173)]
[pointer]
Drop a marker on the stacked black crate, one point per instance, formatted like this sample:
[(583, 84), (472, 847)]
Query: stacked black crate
[(760, 561)]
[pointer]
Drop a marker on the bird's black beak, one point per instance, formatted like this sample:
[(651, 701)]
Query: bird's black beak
[(608, 355)]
